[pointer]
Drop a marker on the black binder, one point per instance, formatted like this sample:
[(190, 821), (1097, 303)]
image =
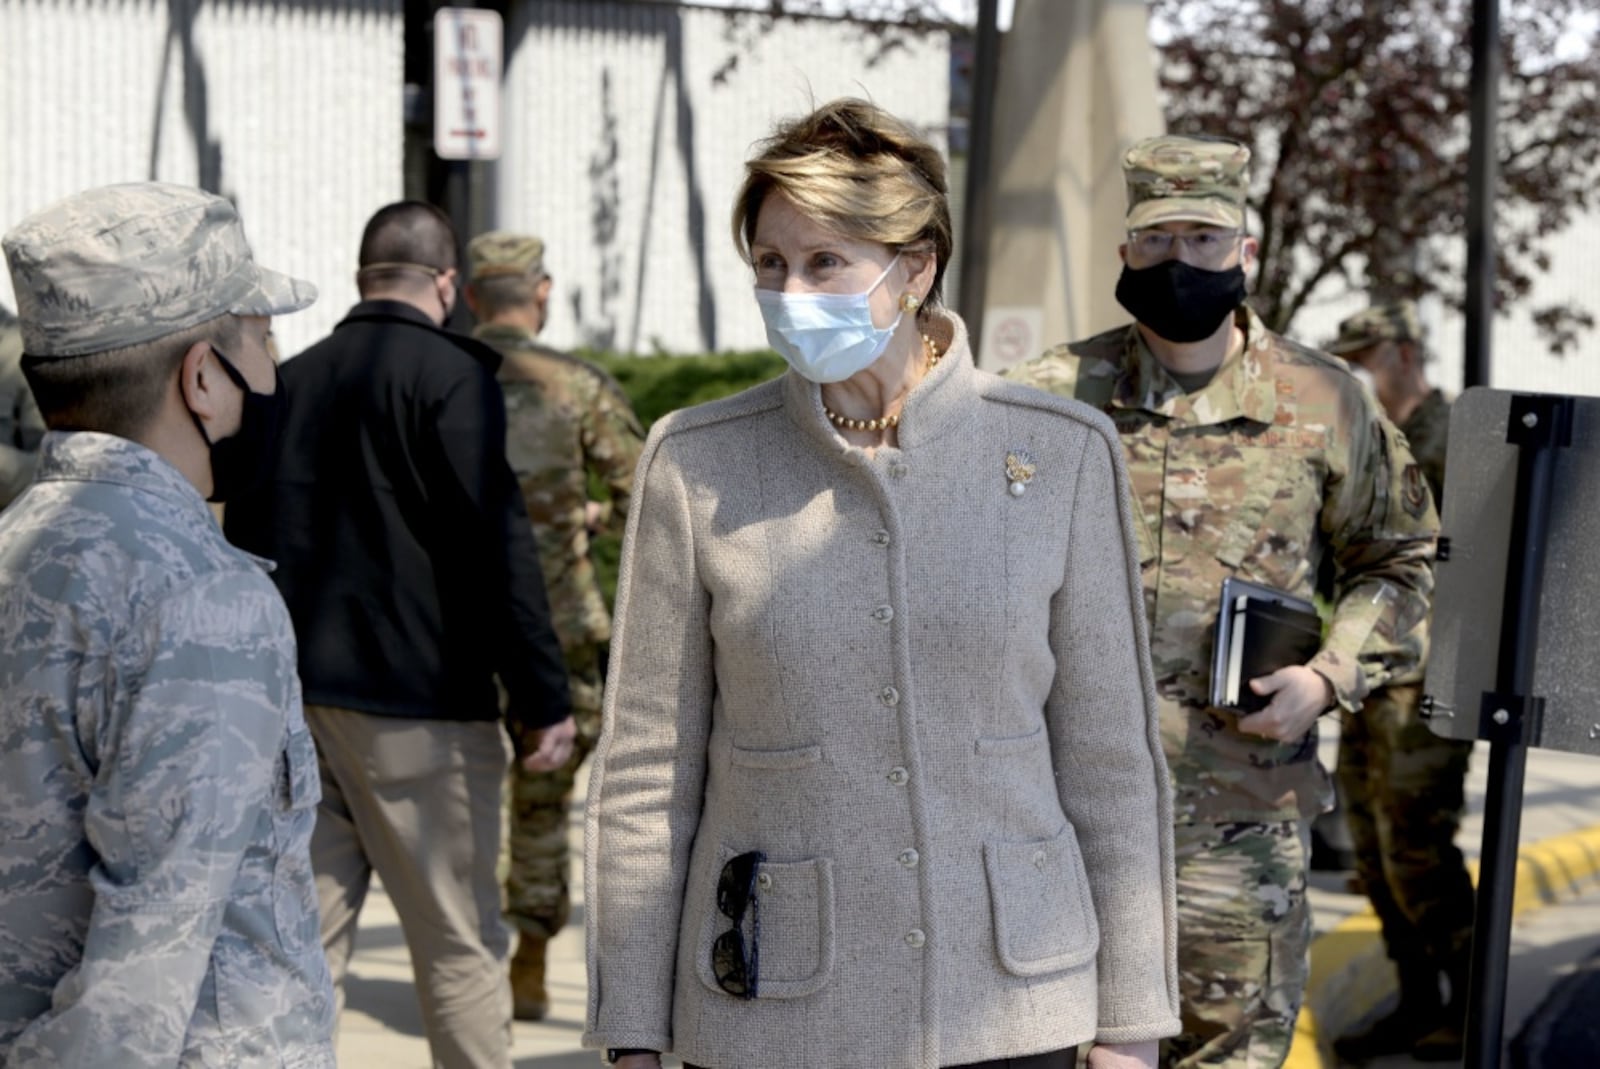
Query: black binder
[(1260, 629)]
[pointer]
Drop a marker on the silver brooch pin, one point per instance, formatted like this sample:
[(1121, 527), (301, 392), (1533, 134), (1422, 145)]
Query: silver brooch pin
[(1019, 471)]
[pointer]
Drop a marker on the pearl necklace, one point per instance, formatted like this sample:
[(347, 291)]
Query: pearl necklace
[(883, 423)]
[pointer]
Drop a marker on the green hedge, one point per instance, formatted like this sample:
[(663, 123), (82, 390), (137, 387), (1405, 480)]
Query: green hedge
[(660, 384)]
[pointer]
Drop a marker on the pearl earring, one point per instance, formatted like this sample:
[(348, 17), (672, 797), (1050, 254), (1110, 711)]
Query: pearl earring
[(910, 302)]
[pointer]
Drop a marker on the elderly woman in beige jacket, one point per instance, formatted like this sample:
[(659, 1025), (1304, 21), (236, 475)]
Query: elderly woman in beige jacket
[(880, 783)]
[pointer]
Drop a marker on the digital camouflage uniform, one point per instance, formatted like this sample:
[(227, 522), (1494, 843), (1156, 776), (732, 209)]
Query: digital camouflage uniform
[(158, 784), (1405, 786), (566, 421), (21, 427), (1281, 459)]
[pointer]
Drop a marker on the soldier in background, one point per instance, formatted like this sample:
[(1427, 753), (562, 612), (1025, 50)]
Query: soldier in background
[(567, 421), (21, 426), (159, 783), (1249, 455), (1404, 786)]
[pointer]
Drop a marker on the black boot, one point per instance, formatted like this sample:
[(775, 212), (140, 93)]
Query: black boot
[(1420, 1012), (1447, 1043)]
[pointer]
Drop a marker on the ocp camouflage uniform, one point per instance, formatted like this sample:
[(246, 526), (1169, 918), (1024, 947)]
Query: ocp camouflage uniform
[(565, 420), (1280, 459), (21, 427), (1405, 791), (157, 782)]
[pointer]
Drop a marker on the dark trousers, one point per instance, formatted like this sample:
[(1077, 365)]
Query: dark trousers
[(1056, 1059)]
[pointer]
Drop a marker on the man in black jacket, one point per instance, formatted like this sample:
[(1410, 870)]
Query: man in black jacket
[(408, 562)]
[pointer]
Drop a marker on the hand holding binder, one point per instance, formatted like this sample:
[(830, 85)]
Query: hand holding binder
[(1259, 630)]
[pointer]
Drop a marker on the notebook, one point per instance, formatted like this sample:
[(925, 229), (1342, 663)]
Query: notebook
[(1260, 629)]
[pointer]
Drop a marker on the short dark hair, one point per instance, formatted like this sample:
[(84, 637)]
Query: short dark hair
[(118, 391), (407, 232)]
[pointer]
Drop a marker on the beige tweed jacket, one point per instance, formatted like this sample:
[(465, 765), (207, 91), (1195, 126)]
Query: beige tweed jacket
[(925, 697)]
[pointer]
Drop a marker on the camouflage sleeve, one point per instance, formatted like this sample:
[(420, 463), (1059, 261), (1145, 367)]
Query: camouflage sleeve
[(184, 771), (612, 440), (1383, 531)]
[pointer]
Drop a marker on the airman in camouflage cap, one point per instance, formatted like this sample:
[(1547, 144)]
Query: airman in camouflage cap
[(499, 254), (120, 265), (1248, 455), (158, 782), (1395, 321), (1186, 179)]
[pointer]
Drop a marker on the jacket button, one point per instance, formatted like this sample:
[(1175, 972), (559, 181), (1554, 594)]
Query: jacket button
[(899, 470), (915, 938), (880, 537), (909, 858), (764, 880), (898, 776), (883, 614), (889, 696)]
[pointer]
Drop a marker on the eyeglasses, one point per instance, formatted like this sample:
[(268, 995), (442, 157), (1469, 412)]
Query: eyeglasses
[(735, 963), (1203, 246)]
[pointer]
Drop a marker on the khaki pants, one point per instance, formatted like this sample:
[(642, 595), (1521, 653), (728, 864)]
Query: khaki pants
[(419, 803)]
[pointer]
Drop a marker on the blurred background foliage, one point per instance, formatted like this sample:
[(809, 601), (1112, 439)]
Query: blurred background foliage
[(660, 384)]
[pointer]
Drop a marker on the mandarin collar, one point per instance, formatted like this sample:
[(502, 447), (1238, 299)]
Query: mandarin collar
[(941, 402)]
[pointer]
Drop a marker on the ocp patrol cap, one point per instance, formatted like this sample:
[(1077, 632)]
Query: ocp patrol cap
[(500, 253), (1394, 321), (1186, 179)]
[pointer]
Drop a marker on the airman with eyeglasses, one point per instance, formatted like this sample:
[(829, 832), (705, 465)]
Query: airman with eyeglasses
[(1248, 455), (1203, 246)]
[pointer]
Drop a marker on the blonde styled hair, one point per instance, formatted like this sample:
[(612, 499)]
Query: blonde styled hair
[(857, 170)]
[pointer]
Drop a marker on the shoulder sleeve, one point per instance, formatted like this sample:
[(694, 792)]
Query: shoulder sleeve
[(184, 786), (1382, 531), (648, 776), (612, 441), (1107, 751), (474, 494)]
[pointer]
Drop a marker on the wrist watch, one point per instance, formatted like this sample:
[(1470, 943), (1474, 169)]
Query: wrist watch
[(615, 1053)]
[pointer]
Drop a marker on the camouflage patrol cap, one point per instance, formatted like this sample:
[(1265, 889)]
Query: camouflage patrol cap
[(500, 253), (126, 264), (1186, 179), (1395, 321)]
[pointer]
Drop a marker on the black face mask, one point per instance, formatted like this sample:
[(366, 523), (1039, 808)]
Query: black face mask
[(1180, 302), (241, 461)]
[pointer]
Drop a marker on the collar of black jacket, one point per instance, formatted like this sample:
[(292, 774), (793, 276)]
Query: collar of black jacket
[(401, 312)]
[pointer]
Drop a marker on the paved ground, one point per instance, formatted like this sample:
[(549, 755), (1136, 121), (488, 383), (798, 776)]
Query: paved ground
[(382, 1028)]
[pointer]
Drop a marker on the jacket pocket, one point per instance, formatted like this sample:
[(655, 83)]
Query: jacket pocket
[(991, 746), (775, 760), (796, 946), (294, 896), (1044, 917), (1239, 533)]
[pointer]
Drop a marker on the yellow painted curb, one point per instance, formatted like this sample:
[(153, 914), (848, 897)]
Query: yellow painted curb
[(1351, 976)]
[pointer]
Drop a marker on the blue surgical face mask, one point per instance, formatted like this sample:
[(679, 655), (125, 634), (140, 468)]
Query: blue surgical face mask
[(826, 337)]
